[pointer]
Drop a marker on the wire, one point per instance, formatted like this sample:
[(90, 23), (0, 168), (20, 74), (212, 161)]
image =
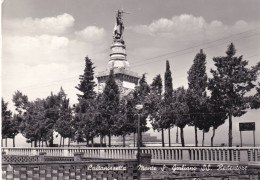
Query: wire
[(46, 84), (194, 51), (200, 44)]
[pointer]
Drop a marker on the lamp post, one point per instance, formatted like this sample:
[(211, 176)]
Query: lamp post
[(139, 108)]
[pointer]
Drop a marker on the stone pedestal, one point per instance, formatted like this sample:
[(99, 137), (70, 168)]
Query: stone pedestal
[(78, 156), (41, 156), (145, 160)]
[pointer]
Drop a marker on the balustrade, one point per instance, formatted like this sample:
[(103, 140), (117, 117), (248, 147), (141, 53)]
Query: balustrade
[(191, 154)]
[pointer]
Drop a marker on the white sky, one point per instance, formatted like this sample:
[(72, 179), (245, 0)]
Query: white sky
[(44, 42)]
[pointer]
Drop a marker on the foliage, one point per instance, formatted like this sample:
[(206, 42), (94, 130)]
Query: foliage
[(181, 110), (141, 95), (233, 80), (10, 125), (64, 124), (87, 83), (109, 107), (168, 93), (197, 97), (157, 109)]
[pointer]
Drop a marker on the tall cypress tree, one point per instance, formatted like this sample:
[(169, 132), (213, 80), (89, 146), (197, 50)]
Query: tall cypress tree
[(197, 81), (233, 79), (110, 105), (168, 92)]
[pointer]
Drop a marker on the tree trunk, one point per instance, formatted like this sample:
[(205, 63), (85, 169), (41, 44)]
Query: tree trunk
[(212, 137), (92, 142), (124, 140), (46, 144), (141, 139), (5, 142), (14, 142), (163, 138), (169, 134), (60, 140), (51, 141), (87, 139), (203, 136), (109, 139), (196, 136), (177, 136), (230, 130), (182, 138), (69, 142), (42, 143), (134, 139), (63, 142), (31, 144), (101, 141)]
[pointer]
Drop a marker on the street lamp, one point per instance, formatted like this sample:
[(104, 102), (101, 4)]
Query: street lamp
[(139, 108)]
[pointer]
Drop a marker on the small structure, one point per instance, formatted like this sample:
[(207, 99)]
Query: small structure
[(124, 77)]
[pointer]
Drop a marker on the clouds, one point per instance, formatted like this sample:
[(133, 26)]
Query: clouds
[(38, 50), (187, 24), (92, 34), (48, 25)]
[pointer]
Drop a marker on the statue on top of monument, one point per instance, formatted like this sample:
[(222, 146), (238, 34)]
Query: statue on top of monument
[(119, 26)]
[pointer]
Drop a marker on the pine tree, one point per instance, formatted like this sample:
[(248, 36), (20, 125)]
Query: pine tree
[(110, 105), (87, 83), (168, 92), (197, 81), (233, 79), (86, 113)]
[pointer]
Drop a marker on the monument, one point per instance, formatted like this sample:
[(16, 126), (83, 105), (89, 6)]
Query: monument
[(124, 77)]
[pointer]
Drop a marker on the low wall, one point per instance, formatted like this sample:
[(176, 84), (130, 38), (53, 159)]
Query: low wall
[(80, 167)]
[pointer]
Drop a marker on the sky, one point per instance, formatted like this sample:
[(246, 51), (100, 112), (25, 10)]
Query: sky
[(44, 43)]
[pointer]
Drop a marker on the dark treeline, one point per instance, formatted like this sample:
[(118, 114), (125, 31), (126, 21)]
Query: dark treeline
[(207, 103)]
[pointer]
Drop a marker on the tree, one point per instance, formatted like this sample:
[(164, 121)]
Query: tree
[(168, 92), (37, 118), (110, 105), (157, 109), (216, 115), (197, 98), (6, 116), (181, 110), (86, 108), (52, 112), (125, 121), (87, 83), (141, 95), (64, 125), (255, 99), (233, 79)]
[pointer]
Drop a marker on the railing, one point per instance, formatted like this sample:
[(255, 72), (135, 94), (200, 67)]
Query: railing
[(159, 154)]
